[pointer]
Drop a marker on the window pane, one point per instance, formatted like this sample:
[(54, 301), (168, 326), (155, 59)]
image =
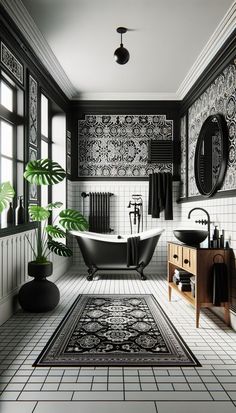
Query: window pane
[(44, 149), (6, 170), (20, 181), (6, 139), (4, 218), (6, 96), (44, 188), (20, 143), (44, 116), (44, 195)]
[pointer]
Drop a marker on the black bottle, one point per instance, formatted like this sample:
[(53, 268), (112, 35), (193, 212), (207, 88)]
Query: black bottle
[(216, 238), (20, 212), (10, 215)]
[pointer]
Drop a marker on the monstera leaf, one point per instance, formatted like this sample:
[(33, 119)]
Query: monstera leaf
[(59, 248), (55, 232), (6, 194), (50, 207), (44, 172), (38, 213), (72, 220)]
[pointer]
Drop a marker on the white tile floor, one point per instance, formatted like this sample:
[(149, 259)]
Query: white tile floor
[(210, 388)]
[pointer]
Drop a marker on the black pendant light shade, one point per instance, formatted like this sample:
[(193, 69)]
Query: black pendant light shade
[(121, 54)]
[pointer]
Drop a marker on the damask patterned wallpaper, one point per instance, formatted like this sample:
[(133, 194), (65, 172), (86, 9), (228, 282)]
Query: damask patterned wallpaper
[(33, 132), (219, 97), (117, 145), (12, 63)]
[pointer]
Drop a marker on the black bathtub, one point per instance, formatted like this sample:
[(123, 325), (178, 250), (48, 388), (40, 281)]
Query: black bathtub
[(109, 252)]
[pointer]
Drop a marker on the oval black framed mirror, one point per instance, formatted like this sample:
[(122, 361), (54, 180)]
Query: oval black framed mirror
[(211, 155)]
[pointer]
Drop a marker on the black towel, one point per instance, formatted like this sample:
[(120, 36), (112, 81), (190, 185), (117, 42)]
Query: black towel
[(168, 196), (160, 195), (220, 292), (133, 251)]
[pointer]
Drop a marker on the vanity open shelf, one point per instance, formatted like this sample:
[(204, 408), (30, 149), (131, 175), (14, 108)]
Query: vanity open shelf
[(198, 262)]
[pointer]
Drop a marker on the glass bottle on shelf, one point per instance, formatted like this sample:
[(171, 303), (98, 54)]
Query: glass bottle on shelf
[(10, 216), (20, 212)]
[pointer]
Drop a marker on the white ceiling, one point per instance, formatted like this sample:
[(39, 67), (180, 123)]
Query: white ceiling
[(166, 38)]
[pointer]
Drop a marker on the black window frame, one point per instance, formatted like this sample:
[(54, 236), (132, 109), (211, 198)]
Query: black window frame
[(15, 120), (47, 139)]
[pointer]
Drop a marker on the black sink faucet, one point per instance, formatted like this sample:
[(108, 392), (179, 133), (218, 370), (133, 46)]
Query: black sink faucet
[(208, 222)]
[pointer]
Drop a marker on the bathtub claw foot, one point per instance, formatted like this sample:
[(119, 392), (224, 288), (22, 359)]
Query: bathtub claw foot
[(91, 272), (140, 271)]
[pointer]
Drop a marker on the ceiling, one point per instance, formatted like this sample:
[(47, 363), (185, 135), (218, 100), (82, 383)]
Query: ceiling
[(164, 41)]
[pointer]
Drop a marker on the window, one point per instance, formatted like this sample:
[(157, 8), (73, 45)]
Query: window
[(11, 139)]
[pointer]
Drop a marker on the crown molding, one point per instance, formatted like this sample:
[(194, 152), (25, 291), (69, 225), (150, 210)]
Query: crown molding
[(29, 29), (126, 96), (34, 37), (216, 41)]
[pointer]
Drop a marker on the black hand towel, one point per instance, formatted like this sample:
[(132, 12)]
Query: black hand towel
[(133, 251), (219, 283), (168, 196), (155, 199), (150, 194), (153, 196), (160, 195)]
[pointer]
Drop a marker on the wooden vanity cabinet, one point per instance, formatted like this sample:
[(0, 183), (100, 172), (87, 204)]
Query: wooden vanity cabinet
[(197, 261)]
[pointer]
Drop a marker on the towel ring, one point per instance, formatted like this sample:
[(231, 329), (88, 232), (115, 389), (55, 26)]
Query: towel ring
[(218, 255)]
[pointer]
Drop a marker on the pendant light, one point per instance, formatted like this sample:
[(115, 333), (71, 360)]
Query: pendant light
[(121, 54)]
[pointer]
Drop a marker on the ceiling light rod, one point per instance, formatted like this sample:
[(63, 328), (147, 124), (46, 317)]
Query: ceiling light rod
[(121, 54), (121, 30)]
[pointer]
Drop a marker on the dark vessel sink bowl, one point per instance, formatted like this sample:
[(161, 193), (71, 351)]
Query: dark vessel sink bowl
[(192, 237)]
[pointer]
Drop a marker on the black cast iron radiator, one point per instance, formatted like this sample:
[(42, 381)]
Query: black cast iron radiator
[(99, 211)]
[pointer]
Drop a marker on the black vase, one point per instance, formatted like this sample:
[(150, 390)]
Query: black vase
[(39, 295)]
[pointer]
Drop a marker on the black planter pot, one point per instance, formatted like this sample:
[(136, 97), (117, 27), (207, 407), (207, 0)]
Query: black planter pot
[(40, 270), (39, 295)]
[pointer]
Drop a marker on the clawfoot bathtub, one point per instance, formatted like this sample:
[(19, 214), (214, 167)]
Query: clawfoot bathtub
[(109, 252)]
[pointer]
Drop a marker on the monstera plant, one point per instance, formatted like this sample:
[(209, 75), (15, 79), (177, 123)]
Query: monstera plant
[(6, 195), (47, 172), (40, 294)]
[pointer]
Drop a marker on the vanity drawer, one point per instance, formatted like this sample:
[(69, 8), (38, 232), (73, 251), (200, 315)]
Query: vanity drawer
[(175, 254), (189, 259)]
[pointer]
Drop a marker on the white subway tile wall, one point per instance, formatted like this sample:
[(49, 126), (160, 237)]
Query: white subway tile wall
[(119, 220)]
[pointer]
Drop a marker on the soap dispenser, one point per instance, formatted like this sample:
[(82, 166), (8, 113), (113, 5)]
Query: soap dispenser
[(216, 236), (222, 239)]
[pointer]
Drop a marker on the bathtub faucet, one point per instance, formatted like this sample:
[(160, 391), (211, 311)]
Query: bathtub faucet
[(137, 213)]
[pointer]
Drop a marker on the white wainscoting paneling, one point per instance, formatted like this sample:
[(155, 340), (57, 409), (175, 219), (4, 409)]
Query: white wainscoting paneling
[(15, 253)]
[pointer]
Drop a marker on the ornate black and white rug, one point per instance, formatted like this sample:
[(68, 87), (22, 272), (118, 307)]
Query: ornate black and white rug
[(116, 330)]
